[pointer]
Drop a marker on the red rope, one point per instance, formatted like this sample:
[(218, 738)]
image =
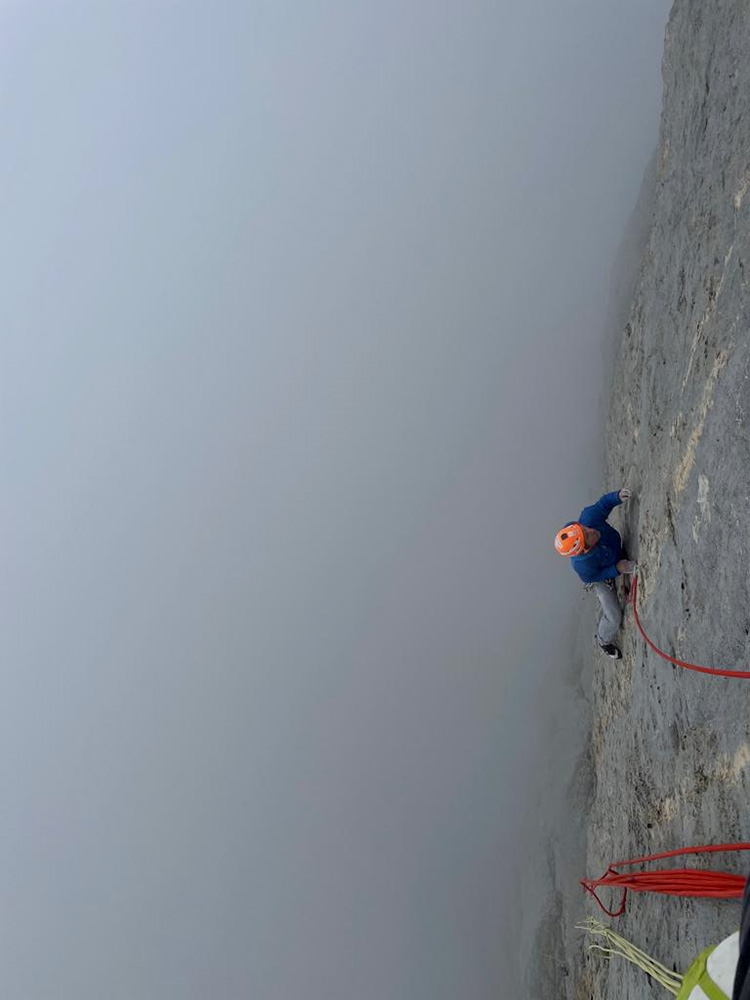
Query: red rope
[(717, 672), (693, 882)]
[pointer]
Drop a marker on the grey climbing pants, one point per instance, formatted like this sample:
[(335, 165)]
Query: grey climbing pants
[(611, 619)]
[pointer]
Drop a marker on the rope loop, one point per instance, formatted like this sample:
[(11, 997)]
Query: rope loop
[(714, 671), (694, 882)]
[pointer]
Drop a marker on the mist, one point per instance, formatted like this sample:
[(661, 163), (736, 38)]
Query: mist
[(301, 371)]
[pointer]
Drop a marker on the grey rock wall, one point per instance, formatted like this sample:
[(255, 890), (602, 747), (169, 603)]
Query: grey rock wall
[(670, 750)]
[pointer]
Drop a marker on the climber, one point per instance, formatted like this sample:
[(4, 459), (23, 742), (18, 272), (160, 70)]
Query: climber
[(596, 554)]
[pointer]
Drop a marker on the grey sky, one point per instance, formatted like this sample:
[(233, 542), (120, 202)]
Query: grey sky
[(300, 360)]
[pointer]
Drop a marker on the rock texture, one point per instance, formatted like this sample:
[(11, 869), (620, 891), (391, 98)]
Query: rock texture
[(670, 750)]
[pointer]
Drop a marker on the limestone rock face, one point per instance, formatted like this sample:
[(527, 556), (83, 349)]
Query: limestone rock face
[(671, 749)]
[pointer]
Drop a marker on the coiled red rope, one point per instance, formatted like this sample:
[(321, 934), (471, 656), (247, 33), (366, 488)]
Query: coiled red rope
[(694, 882), (715, 671)]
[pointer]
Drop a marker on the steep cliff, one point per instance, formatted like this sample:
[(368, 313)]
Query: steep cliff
[(670, 750)]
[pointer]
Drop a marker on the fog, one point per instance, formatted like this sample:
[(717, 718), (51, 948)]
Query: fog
[(303, 306)]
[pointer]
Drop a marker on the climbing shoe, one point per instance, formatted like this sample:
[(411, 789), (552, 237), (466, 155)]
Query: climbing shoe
[(612, 651)]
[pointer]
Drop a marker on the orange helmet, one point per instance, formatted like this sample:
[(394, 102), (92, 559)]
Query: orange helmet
[(570, 540)]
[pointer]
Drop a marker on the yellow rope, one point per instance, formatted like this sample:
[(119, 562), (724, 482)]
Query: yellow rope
[(618, 945)]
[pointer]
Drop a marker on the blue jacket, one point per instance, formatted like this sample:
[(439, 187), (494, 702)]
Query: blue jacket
[(600, 562)]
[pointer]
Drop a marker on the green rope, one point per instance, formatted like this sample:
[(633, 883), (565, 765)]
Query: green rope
[(618, 945)]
